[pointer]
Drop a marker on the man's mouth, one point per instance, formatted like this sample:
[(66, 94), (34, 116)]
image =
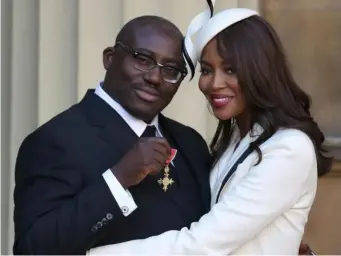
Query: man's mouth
[(147, 95)]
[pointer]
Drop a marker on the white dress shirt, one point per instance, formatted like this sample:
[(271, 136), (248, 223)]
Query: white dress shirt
[(262, 209), (123, 197)]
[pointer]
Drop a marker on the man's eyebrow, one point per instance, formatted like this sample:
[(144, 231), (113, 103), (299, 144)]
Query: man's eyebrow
[(172, 61), (144, 50)]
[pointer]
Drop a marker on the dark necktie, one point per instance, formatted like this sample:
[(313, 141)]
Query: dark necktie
[(149, 131)]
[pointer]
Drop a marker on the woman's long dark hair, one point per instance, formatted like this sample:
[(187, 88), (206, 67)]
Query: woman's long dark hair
[(273, 98)]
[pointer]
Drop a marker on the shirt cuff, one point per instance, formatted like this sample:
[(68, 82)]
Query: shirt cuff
[(123, 197)]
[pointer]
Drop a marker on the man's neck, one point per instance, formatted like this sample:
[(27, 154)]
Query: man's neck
[(136, 123)]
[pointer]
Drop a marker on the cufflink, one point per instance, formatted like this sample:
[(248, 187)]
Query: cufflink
[(125, 209)]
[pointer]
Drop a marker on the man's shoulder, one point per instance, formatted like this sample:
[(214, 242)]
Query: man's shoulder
[(61, 125)]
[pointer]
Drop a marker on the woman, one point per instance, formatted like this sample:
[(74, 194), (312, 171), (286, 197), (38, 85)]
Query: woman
[(260, 206)]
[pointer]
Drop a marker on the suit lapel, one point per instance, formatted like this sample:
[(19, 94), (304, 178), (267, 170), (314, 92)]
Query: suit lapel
[(110, 124), (122, 142), (189, 154)]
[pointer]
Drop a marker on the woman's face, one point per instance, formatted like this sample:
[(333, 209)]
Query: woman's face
[(219, 83)]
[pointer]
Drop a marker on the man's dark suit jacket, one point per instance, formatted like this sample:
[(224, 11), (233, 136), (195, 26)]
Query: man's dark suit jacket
[(64, 206)]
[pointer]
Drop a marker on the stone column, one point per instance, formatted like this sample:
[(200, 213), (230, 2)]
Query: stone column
[(23, 86), (6, 43), (58, 63)]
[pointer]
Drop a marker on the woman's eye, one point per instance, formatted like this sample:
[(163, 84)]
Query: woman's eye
[(230, 71), (204, 71)]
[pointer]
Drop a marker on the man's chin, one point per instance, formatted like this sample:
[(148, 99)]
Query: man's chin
[(144, 113)]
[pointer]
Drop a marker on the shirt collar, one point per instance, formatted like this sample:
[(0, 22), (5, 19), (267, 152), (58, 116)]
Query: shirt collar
[(137, 125)]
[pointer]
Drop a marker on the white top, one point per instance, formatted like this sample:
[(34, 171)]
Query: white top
[(263, 209), (123, 197)]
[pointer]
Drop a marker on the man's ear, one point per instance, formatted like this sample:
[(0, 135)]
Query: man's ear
[(108, 55)]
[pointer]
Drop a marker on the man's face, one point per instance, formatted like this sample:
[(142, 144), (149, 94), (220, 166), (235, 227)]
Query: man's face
[(142, 92)]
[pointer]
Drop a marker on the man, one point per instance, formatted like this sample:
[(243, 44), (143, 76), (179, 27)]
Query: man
[(95, 174)]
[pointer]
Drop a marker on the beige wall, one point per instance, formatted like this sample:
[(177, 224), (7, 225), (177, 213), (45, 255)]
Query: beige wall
[(51, 53)]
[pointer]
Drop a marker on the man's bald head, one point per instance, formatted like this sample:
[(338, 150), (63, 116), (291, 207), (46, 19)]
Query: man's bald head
[(131, 29)]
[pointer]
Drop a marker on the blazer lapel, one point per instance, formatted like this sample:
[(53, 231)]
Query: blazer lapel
[(219, 170), (231, 159), (188, 153)]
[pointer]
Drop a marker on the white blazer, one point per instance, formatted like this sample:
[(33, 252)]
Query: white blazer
[(262, 209)]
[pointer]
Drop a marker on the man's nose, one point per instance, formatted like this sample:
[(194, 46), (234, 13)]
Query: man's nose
[(154, 75)]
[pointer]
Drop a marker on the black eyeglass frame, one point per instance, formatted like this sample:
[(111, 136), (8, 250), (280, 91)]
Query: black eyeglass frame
[(182, 73)]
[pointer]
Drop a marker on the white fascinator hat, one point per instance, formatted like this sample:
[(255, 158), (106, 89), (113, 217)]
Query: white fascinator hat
[(206, 26)]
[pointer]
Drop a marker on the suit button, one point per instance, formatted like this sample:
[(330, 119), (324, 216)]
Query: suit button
[(125, 209), (99, 224), (104, 221), (109, 216), (94, 229)]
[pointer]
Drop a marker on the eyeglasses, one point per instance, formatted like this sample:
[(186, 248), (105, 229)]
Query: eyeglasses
[(146, 63)]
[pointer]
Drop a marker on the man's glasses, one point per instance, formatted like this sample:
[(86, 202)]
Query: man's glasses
[(146, 63)]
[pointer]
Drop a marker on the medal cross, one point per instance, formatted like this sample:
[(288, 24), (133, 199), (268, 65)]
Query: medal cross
[(166, 181)]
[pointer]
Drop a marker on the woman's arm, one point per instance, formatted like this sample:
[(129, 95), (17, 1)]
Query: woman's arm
[(269, 189)]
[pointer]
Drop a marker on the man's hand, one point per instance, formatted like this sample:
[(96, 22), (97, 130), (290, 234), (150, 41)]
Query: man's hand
[(148, 156)]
